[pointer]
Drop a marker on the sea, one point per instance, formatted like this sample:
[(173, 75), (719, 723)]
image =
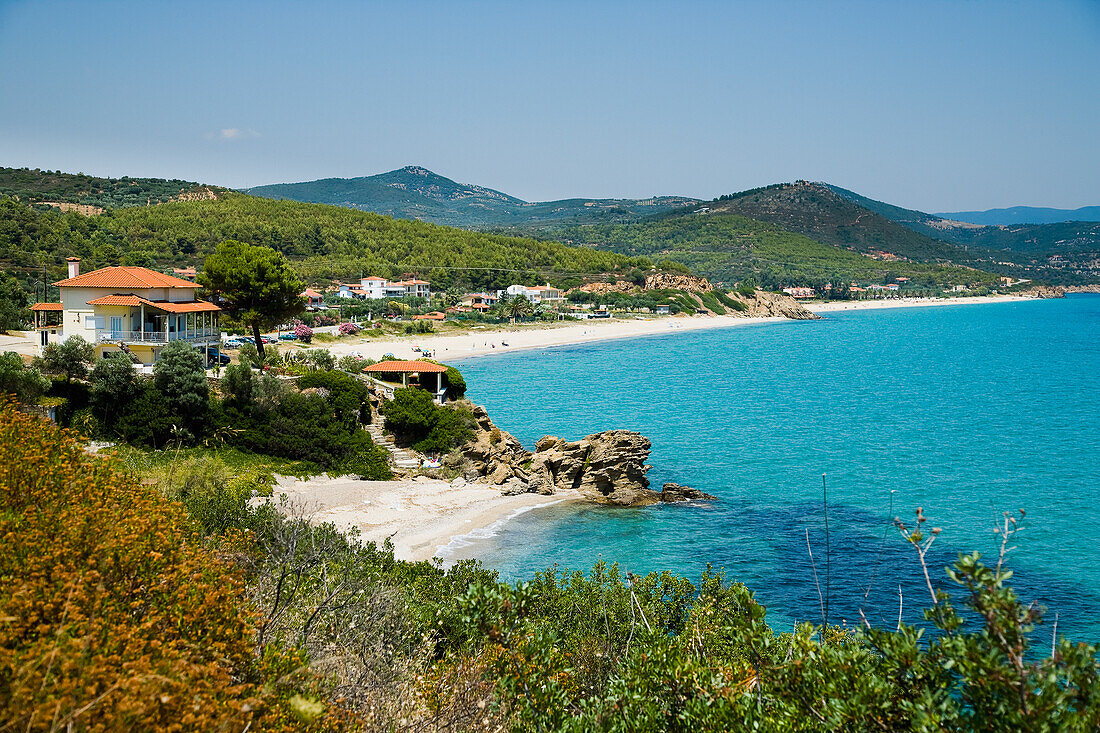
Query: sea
[(817, 437)]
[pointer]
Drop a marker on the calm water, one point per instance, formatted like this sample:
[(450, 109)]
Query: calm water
[(967, 411)]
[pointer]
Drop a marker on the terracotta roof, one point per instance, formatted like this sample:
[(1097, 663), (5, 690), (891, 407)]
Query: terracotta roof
[(373, 277), (194, 306), (46, 307), (132, 300), (407, 367), (126, 277), (311, 293)]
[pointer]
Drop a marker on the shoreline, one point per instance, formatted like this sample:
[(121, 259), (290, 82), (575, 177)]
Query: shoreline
[(483, 341), (420, 516)]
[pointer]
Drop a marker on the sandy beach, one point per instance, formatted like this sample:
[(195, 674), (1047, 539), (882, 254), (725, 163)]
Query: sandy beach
[(419, 515), (493, 340)]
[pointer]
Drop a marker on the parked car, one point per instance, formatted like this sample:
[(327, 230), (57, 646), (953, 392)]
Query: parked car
[(269, 339), (288, 337), (232, 344), (213, 356)]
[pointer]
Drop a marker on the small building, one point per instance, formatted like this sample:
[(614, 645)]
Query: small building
[(314, 300), (537, 294), (413, 373), (131, 309), (800, 292), (472, 300), (663, 310), (433, 316), (185, 273)]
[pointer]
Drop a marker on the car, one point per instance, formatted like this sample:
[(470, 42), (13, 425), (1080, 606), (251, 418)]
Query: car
[(232, 344), (213, 356), (269, 339), (288, 337)]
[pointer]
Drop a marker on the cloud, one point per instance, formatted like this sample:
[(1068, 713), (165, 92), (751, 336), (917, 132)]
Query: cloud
[(232, 133)]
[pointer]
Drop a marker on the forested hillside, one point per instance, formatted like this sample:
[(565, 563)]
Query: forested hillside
[(728, 248), (34, 185), (414, 192), (324, 242)]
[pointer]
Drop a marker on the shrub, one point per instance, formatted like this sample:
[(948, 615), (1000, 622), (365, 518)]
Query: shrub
[(114, 384), (26, 383), (348, 329), (114, 617), (321, 359), (69, 359), (351, 364), (304, 333), (456, 384), (416, 420), (180, 375), (148, 420)]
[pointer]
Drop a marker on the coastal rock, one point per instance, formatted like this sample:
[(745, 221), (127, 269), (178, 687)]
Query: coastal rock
[(608, 468), (763, 304), (493, 455), (670, 281), (674, 493), (1044, 291)]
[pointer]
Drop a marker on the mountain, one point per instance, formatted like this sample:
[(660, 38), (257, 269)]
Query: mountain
[(819, 212), (729, 248), (414, 192), (32, 185), (1024, 215)]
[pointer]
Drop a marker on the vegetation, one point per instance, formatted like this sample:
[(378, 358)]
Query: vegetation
[(415, 419), (254, 285), (223, 614), (14, 311), (27, 385), (31, 185), (70, 358), (728, 248), (321, 242)]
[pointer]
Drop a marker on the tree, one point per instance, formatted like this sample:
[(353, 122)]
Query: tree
[(26, 383), (255, 285), (70, 358), (181, 378), (518, 307), (114, 384), (13, 303)]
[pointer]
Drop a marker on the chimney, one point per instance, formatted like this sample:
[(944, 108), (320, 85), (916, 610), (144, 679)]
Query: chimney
[(74, 266)]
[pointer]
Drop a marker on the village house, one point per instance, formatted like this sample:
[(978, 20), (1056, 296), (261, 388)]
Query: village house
[(131, 309), (478, 301), (800, 292), (379, 288), (314, 300), (538, 294)]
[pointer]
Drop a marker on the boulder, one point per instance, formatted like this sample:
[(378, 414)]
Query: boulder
[(607, 467), (675, 493)]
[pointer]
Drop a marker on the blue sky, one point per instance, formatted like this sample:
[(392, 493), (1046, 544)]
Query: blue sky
[(936, 105)]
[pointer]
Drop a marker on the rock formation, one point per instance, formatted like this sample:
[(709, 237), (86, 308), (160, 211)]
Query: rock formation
[(675, 493), (669, 281), (607, 467), (763, 304)]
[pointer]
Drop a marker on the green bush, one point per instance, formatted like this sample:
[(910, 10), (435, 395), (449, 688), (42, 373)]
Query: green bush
[(113, 385), (26, 383), (416, 420), (148, 419), (456, 384)]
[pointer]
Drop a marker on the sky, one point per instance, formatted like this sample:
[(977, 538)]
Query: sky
[(939, 106)]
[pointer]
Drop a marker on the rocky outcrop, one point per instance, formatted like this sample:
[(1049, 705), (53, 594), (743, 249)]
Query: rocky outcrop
[(493, 455), (763, 304), (601, 288), (607, 467), (670, 281), (1095, 288), (1043, 291), (675, 493)]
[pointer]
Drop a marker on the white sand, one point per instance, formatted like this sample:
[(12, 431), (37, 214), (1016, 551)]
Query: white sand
[(492, 340), (419, 515), (847, 305)]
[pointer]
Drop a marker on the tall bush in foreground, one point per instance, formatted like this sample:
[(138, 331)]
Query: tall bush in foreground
[(111, 616)]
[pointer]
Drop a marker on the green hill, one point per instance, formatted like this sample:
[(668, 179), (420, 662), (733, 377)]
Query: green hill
[(1024, 215), (324, 242), (414, 192), (728, 248), (34, 185)]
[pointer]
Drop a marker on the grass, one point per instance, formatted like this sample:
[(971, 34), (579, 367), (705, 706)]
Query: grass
[(147, 463)]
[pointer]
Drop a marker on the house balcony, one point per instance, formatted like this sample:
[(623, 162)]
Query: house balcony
[(157, 337)]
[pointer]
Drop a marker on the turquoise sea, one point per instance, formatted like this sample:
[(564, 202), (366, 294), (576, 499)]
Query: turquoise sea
[(967, 411)]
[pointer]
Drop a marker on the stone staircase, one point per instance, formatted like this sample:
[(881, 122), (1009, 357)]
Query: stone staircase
[(399, 457)]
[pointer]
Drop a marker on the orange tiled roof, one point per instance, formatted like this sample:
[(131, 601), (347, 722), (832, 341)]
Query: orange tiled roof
[(410, 367), (46, 307), (126, 277), (311, 293), (194, 306)]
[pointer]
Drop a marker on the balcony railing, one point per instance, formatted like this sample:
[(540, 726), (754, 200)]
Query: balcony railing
[(157, 337)]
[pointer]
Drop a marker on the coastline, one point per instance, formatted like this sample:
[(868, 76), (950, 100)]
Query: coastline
[(420, 516), (492, 340)]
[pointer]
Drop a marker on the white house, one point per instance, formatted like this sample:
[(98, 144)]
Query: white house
[(132, 309), (538, 294), (379, 288)]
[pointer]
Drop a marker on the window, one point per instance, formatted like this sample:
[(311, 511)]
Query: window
[(116, 324), (94, 322)]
